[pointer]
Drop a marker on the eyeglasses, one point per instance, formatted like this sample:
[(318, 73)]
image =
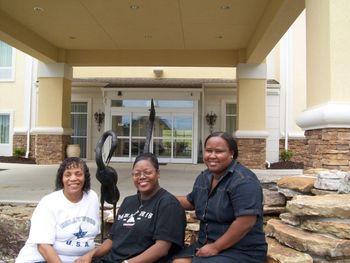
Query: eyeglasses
[(145, 173)]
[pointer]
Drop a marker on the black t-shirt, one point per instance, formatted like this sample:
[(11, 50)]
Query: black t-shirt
[(139, 224)]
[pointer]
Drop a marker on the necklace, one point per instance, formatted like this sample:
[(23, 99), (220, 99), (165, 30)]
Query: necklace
[(217, 176)]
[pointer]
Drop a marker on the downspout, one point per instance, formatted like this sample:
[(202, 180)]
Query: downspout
[(31, 86), (287, 85)]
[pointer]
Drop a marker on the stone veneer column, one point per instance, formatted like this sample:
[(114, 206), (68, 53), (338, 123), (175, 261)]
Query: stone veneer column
[(251, 103), (326, 121), (52, 131)]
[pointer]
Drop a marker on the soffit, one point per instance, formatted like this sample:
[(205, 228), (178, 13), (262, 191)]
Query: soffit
[(171, 32)]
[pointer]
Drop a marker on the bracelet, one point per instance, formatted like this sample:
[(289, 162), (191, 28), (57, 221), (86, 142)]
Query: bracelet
[(125, 261)]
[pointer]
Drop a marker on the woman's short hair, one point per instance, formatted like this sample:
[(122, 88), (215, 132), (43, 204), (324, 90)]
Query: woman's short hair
[(232, 144), (147, 156), (73, 162)]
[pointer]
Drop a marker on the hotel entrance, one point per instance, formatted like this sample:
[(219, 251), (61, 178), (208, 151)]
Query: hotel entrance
[(173, 131)]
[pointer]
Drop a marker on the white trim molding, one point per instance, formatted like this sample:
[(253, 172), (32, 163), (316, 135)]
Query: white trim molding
[(329, 115), (294, 135), (52, 131), (55, 70), (251, 71), (20, 131), (261, 134)]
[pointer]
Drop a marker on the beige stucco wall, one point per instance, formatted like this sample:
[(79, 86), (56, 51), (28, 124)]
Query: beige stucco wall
[(147, 72), (327, 47), (251, 103), (298, 94), (54, 102), (214, 101), (12, 92)]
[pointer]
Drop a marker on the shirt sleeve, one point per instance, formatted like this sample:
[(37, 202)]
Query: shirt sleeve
[(191, 196), (171, 222), (246, 197), (42, 224)]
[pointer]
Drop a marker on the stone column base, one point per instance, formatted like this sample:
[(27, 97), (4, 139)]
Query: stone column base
[(252, 152), (328, 148), (50, 149), (46, 149)]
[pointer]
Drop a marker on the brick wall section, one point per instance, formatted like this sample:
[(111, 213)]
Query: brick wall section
[(252, 152), (328, 148), (50, 149), (298, 147)]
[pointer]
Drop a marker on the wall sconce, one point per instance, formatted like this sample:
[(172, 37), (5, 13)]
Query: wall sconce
[(99, 118), (211, 119)]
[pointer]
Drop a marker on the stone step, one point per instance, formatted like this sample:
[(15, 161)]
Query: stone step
[(282, 254), (310, 243), (301, 184), (334, 205)]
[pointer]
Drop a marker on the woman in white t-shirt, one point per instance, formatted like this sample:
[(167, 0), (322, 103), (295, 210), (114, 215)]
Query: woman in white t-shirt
[(64, 223)]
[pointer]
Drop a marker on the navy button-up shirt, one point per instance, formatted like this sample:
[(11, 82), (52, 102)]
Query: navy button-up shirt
[(237, 193)]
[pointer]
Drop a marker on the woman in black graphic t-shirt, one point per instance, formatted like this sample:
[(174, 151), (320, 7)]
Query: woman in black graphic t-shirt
[(149, 226)]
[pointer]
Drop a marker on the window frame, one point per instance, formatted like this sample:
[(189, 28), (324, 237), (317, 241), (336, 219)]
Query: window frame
[(12, 67), (224, 113)]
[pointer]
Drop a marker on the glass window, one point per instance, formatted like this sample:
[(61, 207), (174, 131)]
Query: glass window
[(172, 136), (6, 62), (79, 126), (188, 104), (231, 117), (121, 126), (4, 128)]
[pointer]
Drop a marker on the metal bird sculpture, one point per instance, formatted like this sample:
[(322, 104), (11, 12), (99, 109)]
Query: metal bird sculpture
[(107, 175), (150, 125)]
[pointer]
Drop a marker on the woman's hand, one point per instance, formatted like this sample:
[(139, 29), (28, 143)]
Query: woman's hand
[(207, 250), (87, 258)]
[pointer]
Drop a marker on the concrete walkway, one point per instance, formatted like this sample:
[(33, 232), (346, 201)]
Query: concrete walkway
[(28, 183)]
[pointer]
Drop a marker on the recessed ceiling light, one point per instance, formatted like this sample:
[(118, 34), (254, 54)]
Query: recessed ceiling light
[(225, 7), (38, 9), (134, 7)]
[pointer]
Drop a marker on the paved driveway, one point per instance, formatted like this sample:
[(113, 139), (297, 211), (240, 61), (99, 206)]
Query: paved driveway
[(29, 183)]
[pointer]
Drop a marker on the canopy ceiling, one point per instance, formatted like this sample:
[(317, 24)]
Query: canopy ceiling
[(147, 33)]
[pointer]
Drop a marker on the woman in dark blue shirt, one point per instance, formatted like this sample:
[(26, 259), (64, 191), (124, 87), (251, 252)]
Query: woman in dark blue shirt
[(227, 198)]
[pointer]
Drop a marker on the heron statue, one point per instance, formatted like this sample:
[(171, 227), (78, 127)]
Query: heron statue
[(150, 125), (107, 176)]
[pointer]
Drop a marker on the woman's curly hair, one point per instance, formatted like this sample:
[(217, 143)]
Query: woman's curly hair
[(73, 162)]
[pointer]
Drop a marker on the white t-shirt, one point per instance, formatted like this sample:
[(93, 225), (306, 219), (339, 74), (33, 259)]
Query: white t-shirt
[(70, 227)]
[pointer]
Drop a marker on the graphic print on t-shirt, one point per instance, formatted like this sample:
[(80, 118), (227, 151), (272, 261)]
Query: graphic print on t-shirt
[(80, 234), (129, 219)]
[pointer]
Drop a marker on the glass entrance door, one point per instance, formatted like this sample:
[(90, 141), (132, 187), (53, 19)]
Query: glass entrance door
[(172, 138), (171, 141)]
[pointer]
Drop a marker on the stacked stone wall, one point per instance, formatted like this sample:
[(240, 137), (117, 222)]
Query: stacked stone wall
[(315, 226), (50, 149), (298, 147), (20, 141), (252, 152), (328, 148)]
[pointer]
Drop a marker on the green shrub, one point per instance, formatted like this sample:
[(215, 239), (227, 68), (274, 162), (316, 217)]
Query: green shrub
[(286, 155), (19, 152)]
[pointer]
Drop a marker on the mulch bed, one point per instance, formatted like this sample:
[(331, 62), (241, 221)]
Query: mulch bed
[(17, 159), (286, 165)]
